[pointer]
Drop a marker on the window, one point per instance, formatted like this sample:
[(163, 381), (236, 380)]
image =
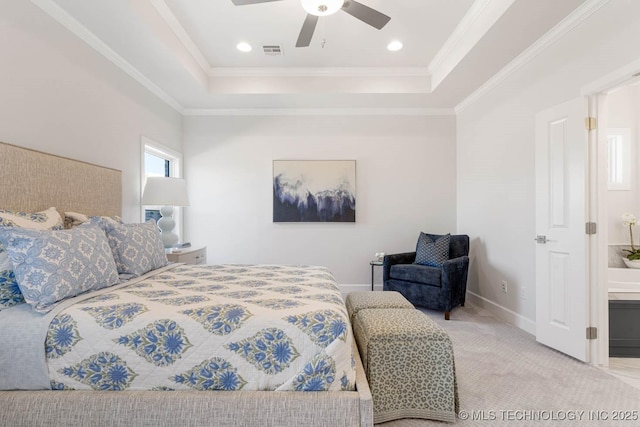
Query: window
[(155, 165), (158, 160), (619, 156)]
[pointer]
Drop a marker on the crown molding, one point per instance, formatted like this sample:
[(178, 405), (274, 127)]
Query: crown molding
[(579, 15), (170, 18), (435, 112), (450, 45), (625, 75), (318, 72), (70, 23), (478, 20)]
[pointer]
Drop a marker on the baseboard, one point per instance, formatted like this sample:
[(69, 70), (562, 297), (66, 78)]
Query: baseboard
[(503, 313), (497, 310), (346, 288)]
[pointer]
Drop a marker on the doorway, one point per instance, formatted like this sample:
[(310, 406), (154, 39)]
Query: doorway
[(618, 190), (596, 204)]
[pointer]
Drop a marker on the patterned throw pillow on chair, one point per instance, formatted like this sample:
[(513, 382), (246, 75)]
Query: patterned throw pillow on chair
[(432, 253)]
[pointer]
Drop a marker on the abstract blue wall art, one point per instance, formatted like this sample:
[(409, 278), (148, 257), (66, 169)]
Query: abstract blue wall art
[(314, 191)]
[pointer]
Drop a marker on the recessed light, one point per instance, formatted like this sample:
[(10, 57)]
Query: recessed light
[(244, 47), (394, 46)]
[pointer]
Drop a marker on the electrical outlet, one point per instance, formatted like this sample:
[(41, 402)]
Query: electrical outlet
[(523, 293), (504, 286)]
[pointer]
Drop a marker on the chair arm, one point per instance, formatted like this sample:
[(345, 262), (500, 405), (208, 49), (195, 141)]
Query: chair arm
[(454, 275), (392, 259)]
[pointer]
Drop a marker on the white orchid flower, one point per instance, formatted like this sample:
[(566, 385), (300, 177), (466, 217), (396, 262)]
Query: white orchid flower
[(628, 219)]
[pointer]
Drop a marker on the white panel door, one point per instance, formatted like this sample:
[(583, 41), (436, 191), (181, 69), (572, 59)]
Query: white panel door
[(561, 273)]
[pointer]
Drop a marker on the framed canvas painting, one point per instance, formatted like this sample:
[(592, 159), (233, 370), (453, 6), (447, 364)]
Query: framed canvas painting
[(314, 191)]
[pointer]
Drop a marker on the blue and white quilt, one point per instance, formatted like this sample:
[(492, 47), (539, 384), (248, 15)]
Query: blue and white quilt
[(215, 327)]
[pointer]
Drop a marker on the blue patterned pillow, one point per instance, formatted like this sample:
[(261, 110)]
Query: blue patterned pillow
[(50, 266), (432, 253), (74, 219), (137, 248), (48, 219), (9, 291)]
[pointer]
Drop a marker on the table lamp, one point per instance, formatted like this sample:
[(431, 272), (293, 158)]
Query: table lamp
[(166, 192)]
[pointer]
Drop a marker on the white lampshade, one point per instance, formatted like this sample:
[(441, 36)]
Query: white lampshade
[(165, 191), (322, 7)]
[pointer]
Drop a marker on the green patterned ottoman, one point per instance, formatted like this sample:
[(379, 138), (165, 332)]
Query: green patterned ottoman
[(357, 301), (408, 361)]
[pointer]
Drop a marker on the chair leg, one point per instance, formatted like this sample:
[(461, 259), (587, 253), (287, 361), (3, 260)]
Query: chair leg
[(446, 315)]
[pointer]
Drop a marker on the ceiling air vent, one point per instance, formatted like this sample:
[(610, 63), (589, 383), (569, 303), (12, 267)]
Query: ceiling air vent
[(272, 50)]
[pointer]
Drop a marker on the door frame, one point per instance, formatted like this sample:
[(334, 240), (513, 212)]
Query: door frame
[(596, 93)]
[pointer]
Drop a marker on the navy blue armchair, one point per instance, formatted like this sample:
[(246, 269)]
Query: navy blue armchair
[(437, 288)]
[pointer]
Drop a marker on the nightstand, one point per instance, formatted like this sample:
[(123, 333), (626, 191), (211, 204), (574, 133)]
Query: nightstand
[(189, 255)]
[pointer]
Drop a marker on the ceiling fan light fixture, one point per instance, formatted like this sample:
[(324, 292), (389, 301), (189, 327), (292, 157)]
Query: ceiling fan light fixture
[(322, 7)]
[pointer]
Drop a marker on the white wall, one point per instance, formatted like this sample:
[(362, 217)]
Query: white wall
[(60, 96), (405, 179), (496, 188)]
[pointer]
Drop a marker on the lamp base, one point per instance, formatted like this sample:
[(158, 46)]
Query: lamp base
[(166, 224)]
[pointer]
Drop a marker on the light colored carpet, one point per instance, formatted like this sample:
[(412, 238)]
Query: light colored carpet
[(505, 378)]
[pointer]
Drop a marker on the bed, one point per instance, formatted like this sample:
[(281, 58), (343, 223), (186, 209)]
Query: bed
[(268, 394)]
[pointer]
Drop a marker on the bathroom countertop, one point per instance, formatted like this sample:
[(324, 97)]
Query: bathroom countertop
[(623, 294)]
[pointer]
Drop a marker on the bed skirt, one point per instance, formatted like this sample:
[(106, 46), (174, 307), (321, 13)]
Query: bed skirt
[(190, 408)]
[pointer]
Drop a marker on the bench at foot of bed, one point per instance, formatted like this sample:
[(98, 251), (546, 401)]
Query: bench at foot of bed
[(408, 361), (361, 300)]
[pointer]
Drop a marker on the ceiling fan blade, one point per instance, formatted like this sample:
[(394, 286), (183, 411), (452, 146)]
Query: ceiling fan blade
[(244, 2), (366, 14), (306, 33)]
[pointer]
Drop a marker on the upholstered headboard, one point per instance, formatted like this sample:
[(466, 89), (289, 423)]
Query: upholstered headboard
[(32, 181)]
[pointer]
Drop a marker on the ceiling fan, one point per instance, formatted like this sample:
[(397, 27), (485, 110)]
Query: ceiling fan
[(317, 8)]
